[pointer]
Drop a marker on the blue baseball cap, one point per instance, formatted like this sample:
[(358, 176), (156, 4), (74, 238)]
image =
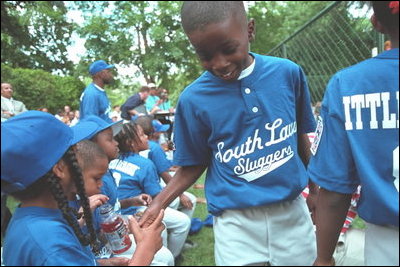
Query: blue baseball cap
[(98, 123), (98, 66), (159, 127), (31, 144)]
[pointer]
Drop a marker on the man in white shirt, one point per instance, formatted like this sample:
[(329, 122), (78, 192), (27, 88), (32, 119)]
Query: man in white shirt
[(9, 106)]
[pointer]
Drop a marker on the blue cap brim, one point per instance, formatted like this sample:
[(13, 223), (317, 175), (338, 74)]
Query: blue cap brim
[(83, 131), (164, 128), (87, 129)]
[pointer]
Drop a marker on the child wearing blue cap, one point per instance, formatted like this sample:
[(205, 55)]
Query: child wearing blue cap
[(94, 99), (49, 177), (103, 136), (137, 175)]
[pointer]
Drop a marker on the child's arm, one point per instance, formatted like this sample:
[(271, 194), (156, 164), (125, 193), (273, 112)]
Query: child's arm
[(331, 211), (140, 200), (305, 154), (184, 200), (183, 179)]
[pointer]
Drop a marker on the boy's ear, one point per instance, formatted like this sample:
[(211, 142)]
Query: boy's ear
[(251, 30), (377, 25)]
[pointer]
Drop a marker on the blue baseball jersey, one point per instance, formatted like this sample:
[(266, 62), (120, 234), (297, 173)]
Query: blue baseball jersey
[(137, 175), (245, 132), (109, 188), (359, 137), (41, 237), (158, 157), (95, 102)]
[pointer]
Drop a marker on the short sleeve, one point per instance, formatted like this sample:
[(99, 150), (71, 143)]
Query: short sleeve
[(150, 179), (332, 167), (70, 256), (159, 158), (190, 136), (304, 115)]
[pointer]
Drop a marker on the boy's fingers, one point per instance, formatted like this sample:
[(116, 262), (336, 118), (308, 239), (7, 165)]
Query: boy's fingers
[(159, 218), (134, 227)]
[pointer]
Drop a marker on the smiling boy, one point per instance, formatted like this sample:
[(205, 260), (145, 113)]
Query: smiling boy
[(246, 120)]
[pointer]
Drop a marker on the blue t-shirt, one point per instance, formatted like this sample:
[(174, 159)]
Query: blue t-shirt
[(109, 188), (137, 175), (158, 157), (359, 143), (151, 101), (95, 102), (245, 132), (42, 237)]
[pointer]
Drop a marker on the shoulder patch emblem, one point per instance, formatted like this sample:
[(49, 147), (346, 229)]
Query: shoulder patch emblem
[(318, 134)]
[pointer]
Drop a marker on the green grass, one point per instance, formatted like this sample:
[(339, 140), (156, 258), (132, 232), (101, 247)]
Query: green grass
[(203, 254)]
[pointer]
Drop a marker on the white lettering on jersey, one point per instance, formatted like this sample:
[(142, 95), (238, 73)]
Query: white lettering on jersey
[(371, 101), (253, 169), (124, 166)]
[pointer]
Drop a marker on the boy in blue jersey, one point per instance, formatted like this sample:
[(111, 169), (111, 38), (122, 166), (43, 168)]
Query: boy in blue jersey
[(358, 143), (94, 100), (246, 120)]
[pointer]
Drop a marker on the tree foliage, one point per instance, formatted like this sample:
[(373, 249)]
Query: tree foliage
[(35, 34), (145, 34), (277, 20), (38, 88)]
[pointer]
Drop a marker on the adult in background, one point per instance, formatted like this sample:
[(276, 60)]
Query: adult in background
[(94, 100), (9, 106), (153, 101), (135, 104)]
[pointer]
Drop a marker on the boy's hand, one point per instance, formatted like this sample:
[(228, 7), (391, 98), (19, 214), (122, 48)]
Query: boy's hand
[(149, 215), (185, 201), (149, 236)]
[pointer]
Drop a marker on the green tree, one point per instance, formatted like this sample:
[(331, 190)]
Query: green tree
[(145, 34), (35, 34), (277, 20), (38, 88)]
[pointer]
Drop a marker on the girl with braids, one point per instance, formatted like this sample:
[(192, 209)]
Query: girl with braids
[(137, 175), (40, 169), (360, 107)]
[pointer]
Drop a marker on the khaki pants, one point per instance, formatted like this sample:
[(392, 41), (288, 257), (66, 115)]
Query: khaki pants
[(277, 234), (381, 245)]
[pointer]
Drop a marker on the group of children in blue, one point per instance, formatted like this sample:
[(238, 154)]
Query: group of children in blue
[(245, 121)]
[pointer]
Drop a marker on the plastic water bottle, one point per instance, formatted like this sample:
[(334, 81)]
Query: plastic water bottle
[(114, 229)]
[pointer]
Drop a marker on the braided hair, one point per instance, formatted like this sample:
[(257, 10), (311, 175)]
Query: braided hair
[(52, 182), (124, 138)]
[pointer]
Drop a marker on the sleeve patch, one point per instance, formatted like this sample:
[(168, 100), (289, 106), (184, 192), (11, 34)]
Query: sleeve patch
[(318, 134)]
